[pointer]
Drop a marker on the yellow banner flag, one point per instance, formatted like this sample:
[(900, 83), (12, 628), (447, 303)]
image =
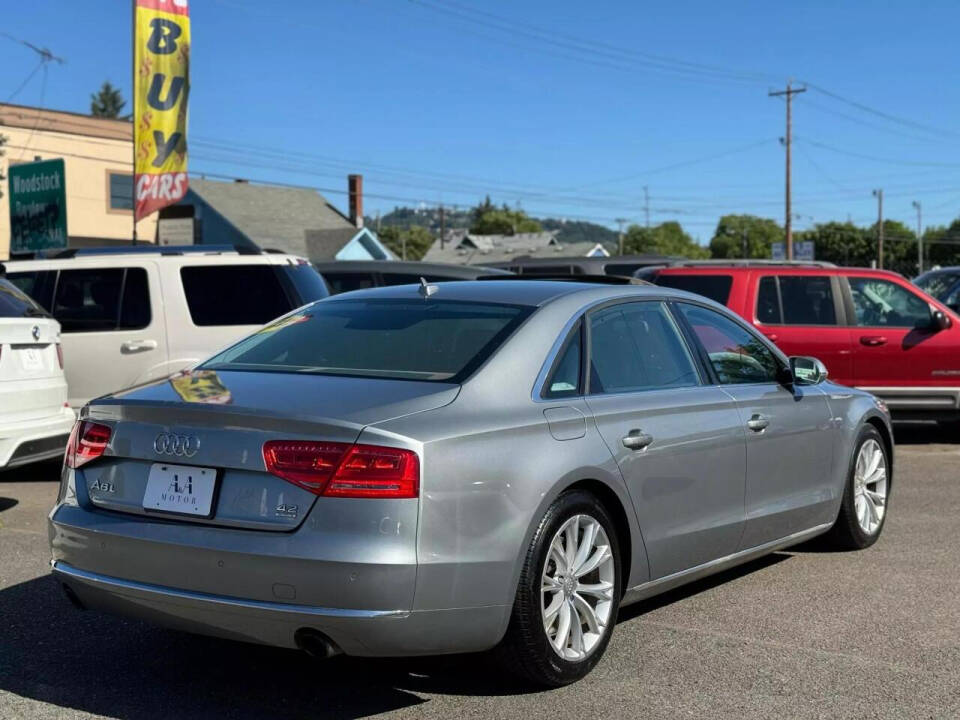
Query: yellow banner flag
[(161, 88)]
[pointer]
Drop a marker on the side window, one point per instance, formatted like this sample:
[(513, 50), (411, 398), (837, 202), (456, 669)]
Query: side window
[(565, 379), (715, 287), (346, 281), (881, 303), (38, 285), (88, 300), (768, 301), (807, 300), (135, 307), (637, 346), (233, 294), (736, 354)]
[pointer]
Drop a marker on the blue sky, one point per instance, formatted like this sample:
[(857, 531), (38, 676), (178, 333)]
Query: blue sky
[(565, 108)]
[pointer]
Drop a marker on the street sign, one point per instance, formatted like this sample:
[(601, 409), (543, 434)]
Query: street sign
[(802, 250), (38, 206)]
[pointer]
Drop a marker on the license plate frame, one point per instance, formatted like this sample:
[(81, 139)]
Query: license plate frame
[(164, 494)]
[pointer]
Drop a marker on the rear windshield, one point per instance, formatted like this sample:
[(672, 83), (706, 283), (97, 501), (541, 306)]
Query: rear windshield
[(435, 340), (15, 303), (715, 287)]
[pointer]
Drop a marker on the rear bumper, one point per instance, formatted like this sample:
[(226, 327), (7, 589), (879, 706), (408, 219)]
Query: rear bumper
[(375, 633), (30, 441), (259, 586)]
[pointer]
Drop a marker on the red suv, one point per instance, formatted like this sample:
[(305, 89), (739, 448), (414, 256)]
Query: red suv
[(872, 328)]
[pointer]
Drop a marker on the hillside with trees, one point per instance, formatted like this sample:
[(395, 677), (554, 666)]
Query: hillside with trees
[(735, 236)]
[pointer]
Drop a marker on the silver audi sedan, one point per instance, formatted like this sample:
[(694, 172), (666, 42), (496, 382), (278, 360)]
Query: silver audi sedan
[(462, 466)]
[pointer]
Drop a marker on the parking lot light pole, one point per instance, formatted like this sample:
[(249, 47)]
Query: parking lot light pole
[(878, 194), (916, 204)]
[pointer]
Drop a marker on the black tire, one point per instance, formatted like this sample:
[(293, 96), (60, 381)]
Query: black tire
[(526, 649), (846, 533)]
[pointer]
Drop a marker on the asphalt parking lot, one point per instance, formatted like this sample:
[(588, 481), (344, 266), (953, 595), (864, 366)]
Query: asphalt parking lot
[(797, 634)]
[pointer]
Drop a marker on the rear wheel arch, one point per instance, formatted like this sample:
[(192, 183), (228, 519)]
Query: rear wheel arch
[(613, 505)]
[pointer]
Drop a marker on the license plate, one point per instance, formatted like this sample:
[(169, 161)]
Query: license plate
[(182, 489), (31, 359)]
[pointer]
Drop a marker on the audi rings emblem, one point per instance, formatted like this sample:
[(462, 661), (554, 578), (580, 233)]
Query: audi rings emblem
[(179, 445)]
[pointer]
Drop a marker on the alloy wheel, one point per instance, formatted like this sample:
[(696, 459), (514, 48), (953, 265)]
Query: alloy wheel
[(577, 587), (870, 486)]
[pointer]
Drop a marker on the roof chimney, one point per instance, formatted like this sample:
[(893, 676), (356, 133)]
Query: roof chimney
[(355, 190)]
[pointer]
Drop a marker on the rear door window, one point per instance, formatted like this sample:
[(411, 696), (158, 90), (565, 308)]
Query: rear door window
[(88, 300), (637, 346), (221, 295), (565, 379), (715, 287), (796, 300)]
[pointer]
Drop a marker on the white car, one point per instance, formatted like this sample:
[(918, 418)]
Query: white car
[(129, 315), (35, 419)]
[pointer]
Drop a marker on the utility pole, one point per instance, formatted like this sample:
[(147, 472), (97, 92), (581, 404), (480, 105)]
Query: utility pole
[(646, 206), (788, 93), (743, 243), (442, 230), (620, 222), (916, 204), (878, 194)]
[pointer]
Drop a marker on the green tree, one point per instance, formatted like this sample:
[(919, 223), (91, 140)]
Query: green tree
[(736, 231), (416, 239), (487, 219), (665, 239), (941, 245), (108, 102)]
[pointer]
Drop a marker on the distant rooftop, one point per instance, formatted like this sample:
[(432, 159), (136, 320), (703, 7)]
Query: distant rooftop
[(461, 247)]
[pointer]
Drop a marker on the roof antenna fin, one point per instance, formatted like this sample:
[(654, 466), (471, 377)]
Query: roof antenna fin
[(425, 289)]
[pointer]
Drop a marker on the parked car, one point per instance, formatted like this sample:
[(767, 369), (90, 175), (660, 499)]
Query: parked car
[(943, 284), (346, 275), (872, 328), (625, 265), (35, 420), (449, 468), (129, 315)]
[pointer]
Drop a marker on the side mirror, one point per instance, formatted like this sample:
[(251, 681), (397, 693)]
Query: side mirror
[(940, 320), (807, 370)]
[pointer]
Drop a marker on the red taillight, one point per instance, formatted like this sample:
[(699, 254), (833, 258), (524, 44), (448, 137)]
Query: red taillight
[(87, 442), (60, 355), (343, 470)]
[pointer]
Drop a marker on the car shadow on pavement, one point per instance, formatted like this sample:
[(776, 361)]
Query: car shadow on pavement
[(6, 503), (695, 588), (96, 663)]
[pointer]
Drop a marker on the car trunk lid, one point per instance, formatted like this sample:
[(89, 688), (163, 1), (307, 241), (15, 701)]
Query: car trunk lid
[(218, 423)]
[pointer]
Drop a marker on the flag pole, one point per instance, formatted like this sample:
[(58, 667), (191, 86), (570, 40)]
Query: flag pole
[(133, 64)]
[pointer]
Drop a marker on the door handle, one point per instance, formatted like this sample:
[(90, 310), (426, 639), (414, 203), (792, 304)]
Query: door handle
[(134, 346), (758, 423), (772, 336), (636, 439), (873, 340)]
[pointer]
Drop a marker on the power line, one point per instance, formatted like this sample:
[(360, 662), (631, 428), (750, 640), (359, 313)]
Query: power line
[(879, 113), (873, 158), (26, 80)]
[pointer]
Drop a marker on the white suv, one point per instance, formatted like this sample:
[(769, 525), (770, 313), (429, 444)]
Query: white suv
[(35, 420), (129, 315)]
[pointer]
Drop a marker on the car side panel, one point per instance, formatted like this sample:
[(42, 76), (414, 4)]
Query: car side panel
[(489, 474)]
